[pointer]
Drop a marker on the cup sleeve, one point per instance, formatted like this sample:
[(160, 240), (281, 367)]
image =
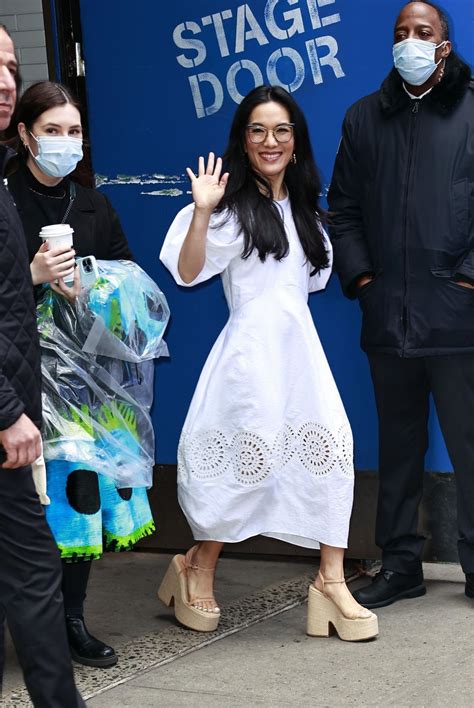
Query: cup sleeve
[(224, 242)]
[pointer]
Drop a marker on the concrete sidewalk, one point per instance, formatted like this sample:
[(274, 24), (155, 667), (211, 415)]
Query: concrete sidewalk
[(424, 655)]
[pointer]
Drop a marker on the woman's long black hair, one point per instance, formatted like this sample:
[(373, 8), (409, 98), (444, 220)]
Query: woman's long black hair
[(249, 195)]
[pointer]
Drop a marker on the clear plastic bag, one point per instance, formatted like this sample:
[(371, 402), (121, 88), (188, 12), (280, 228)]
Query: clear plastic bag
[(97, 366), (126, 313)]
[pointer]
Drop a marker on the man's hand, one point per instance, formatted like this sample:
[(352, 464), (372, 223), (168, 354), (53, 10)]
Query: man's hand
[(363, 280), (465, 284), (21, 442)]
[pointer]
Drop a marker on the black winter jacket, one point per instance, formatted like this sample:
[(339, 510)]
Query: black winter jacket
[(97, 229), (20, 374), (401, 207)]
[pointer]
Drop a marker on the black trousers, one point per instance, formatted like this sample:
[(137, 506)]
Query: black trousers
[(30, 593), (402, 391)]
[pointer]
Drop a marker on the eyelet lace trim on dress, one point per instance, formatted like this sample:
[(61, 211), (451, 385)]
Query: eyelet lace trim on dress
[(250, 458), (346, 450), (208, 454), (316, 448), (285, 447)]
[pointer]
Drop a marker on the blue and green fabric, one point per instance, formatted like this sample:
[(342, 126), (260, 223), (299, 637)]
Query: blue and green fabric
[(89, 515)]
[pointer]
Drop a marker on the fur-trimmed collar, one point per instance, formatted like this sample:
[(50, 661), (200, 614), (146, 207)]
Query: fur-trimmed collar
[(444, 96)]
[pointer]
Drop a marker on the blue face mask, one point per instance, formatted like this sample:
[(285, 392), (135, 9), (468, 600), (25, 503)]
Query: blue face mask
[(414, 59), (57, 155)]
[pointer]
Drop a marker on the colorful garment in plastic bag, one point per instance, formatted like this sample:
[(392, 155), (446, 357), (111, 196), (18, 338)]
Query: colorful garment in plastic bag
[(97, 368)]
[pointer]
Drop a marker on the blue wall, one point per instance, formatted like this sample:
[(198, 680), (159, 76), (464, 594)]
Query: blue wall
[(147, 126)]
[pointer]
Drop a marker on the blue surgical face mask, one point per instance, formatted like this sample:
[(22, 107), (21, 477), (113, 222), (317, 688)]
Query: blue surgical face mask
[(57, 155), (414, 59)]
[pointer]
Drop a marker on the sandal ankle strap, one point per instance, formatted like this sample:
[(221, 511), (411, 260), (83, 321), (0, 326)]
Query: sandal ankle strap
[(330, 582), (193, 566)]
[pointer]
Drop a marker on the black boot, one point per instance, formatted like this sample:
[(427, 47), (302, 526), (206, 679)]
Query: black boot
[(86, 649), (469, 590), (388, 587)]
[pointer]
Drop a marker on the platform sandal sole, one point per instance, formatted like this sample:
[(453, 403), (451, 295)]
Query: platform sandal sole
[(173, 591), (324, 618)]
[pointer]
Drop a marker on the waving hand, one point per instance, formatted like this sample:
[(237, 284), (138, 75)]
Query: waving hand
[(208, 186)]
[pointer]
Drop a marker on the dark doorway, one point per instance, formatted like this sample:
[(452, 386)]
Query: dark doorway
[(62, 23)]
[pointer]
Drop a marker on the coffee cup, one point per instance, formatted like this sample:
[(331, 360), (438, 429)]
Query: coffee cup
[(58, 236)]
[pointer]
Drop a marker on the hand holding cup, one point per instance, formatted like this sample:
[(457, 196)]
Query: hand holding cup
[(55, 258), (50, 265)]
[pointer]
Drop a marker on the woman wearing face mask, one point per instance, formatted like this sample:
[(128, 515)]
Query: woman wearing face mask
[(266, 447), (43, 181)]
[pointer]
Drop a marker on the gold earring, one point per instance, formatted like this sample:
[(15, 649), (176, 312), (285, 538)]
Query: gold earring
[(441, 72)]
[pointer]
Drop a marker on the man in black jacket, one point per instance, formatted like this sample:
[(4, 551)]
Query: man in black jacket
[(402, 211), (30, 571)]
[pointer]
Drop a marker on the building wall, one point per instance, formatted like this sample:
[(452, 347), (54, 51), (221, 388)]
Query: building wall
[(24, 21)]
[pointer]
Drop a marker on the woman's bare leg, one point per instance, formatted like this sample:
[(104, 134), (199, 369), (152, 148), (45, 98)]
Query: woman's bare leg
[(201, 583), (332, 568)]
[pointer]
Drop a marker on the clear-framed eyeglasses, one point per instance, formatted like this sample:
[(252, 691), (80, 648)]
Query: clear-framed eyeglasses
[(282, 133)]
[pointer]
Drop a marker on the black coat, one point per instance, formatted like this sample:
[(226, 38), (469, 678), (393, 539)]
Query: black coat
[(401, 207), (20, 374), (97, 229)]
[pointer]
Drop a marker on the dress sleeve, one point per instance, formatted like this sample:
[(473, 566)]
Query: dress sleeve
[(224, 242), (320, 280)]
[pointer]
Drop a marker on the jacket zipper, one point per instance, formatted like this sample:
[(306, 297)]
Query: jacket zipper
[(404, 314)]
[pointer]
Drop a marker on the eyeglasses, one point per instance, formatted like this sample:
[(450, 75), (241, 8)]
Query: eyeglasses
[(282, 133)]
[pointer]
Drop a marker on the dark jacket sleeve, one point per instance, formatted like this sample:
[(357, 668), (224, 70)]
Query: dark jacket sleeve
[(119, 247), (465, 271), (11, 406), (346, 228)]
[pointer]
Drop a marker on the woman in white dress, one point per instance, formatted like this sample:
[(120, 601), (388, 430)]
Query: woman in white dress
[(266, 447)]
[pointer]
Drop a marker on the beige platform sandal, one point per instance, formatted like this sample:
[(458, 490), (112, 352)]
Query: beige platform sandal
[(174, 590), (324, 616)]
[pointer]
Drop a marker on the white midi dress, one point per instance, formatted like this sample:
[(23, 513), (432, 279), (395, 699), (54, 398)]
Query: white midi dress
[(266, 447)]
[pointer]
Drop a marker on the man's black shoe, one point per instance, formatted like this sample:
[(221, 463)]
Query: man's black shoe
[(469, 590), (388, 587), (86, 649)]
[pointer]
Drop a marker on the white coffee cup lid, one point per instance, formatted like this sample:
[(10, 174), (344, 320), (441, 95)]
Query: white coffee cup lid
[(54, 230)]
